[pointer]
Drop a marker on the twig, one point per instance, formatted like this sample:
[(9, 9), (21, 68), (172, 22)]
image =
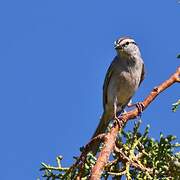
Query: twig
[(110, 138), (120, 173), (133, 162), (47, 167)]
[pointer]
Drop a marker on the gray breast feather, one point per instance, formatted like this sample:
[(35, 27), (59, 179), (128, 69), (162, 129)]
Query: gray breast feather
[(124, 82)]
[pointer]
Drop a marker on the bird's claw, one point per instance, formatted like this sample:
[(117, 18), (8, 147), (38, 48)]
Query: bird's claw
[(117, 121), (140, 107)]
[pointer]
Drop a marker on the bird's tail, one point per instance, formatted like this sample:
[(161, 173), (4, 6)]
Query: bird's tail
[(101, 128)]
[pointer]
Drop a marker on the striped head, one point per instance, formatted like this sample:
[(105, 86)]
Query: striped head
[(126, 46)]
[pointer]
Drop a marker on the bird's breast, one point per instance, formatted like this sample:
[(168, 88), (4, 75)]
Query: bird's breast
[(123, 86)]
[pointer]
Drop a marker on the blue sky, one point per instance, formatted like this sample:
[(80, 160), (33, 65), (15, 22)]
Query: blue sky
[(54, 56)]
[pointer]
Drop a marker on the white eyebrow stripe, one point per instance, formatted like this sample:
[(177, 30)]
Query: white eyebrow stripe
[(126, 40)]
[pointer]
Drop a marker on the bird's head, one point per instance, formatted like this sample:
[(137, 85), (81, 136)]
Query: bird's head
[(126, 46)]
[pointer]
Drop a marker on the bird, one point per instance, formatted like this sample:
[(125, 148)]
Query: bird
[(123, 77)]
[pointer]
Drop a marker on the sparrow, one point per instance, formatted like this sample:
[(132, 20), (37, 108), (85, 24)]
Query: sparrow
[(122, 79)]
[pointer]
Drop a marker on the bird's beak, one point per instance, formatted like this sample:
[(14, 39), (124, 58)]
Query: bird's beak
[(117, 46)]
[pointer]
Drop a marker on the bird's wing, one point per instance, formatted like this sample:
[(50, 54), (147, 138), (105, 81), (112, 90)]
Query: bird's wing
[(106, 82), (142, 74)]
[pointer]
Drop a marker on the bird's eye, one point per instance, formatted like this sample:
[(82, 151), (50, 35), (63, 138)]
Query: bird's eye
[(126, 44)]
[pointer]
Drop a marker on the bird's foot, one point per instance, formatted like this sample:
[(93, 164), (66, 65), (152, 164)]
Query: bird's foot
[(139, 106), (116, 118), (117, 121)]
